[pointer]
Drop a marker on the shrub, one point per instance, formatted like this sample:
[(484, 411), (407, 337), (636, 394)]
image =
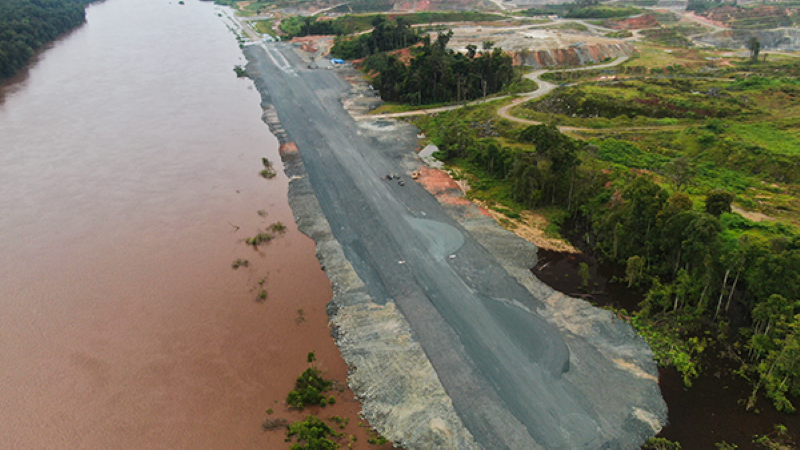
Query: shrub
[(312, 434), (308, 388), (240, 263)]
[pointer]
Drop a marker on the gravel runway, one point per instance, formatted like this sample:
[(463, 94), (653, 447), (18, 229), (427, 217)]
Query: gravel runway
[(518, 373)]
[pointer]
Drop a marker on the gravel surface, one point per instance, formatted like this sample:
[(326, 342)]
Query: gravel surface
[(448, 335)]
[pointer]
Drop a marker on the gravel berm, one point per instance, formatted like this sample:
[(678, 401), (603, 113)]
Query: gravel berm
[(452, 343)]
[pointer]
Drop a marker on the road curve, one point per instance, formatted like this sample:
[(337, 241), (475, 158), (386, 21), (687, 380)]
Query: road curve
[(545, 88)]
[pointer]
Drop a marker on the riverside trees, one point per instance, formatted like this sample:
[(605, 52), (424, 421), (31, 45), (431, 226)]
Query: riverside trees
[(704, 271), (386, 35), (437, 74), (25, 26)]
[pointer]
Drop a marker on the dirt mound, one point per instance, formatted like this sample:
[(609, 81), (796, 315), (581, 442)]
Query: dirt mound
[(573, 56), (635, 23)]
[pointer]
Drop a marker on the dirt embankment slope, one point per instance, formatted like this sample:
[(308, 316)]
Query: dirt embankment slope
[(451, 341)]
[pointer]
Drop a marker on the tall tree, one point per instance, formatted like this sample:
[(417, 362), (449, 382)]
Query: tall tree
[(755, 47)]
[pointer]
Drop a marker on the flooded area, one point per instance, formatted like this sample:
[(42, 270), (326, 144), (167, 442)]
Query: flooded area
[(712, 410), (129, 161)]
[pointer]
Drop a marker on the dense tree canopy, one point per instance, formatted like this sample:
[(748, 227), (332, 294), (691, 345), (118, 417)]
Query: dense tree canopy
[(696, 263), (437, 74), (386, 35), (26, 25)]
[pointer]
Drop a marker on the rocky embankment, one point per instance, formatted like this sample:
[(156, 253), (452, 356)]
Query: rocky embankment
[(577, 55)]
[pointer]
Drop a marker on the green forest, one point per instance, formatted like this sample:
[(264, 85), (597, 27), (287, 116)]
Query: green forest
[(435, 74), (27, 25), (386, 35), (659, 203)]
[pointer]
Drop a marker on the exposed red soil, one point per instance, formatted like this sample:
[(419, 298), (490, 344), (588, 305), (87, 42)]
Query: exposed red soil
[(444, 188), (287, 148), (708, 20), (403, 54), (635, 23), (423, 5)]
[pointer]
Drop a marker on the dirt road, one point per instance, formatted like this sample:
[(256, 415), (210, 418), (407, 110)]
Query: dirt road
[(515, 379)]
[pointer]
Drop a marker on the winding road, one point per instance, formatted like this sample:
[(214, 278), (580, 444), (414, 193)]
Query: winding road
[(544, 88)]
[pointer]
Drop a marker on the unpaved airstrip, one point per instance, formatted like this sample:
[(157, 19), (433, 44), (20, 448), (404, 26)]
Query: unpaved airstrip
[(452, 343)]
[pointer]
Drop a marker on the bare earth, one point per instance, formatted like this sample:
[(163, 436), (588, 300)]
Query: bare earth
[(521, 366)]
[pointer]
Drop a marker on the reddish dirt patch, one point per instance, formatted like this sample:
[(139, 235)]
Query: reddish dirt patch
[(444, 188), (635, 23), (403, 54), (708, 20), (287, 148)]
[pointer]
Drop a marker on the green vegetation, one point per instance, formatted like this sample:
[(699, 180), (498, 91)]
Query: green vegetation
[(261, 294), (240, 72), (268, 171), (265, 27), (436, 74), (25, 26), (602, 12), (621, 34), (778, 439), (583, 9), (240, 263), (661, 202), (264, 237), (667, 36), (311, 434), (314, 433), (385, 36), (308, 389), (341, 422), (258, 239), (658, 443), (377, 439), (567, 26), (653, 98), (277, 227), (351, 23)]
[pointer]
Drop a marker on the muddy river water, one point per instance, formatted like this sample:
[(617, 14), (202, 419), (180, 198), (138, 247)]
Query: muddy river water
[(129, 160)]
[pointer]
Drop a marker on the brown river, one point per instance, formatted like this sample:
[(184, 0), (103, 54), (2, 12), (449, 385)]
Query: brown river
[(129, 160)]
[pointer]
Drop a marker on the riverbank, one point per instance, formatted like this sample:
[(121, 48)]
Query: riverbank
[(388, 247), (709, 412), (125, 325)]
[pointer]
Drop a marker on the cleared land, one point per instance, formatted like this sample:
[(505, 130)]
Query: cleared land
[(517, 380)]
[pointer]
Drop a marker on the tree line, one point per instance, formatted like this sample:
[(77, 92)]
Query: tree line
[(386, 35), (436, 74), (25, 26), (695, 263)]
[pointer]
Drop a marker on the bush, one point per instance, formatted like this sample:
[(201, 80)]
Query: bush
[(308, 389), (312, 434)]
